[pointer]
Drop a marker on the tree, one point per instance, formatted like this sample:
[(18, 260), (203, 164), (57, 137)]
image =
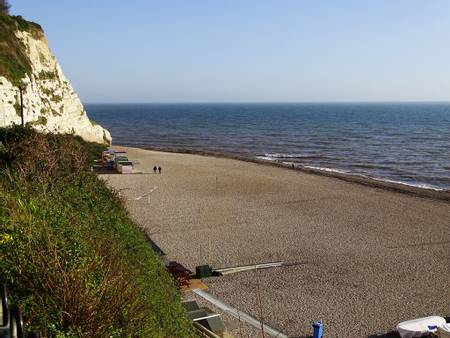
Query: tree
[(4, 6)]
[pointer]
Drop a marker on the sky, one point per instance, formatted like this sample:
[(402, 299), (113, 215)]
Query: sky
[(249, 50)]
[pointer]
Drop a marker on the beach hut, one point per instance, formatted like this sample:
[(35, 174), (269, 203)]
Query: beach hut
[(125, 167), (121, 157)]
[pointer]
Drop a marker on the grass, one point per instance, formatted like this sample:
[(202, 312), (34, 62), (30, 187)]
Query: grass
[(17, 108), (61, 111), (27, 26), (44, 75), (47, 91), (41, 121), (56, 98), (69, 253)]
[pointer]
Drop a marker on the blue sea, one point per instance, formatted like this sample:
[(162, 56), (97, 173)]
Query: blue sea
[(407, 143)]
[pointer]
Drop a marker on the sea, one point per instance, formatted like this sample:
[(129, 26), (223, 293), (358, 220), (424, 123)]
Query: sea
[(406, 143)]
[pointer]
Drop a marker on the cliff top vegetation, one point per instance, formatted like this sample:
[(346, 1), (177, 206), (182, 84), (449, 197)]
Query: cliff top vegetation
[(14, 61)]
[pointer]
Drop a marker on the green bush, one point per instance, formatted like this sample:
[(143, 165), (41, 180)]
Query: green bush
[(69, 253)]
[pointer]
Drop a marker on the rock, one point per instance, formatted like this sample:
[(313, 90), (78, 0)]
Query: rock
[(50, 102)]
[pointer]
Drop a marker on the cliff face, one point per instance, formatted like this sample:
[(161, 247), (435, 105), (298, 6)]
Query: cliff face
[(50, 103)]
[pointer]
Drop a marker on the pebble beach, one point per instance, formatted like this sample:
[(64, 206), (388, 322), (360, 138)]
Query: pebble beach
[(361, 258)]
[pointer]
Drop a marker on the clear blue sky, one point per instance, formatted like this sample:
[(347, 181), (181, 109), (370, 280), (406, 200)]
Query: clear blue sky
[(249, 50)]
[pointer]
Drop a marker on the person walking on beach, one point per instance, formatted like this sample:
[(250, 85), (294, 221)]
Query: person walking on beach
[(154, 169), (159, 170)]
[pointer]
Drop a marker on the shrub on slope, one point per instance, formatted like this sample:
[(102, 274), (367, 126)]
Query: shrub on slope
[(70, 255)]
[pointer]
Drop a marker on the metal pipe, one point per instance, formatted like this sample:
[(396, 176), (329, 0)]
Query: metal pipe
[(204, 331), (206, 317), (238, 314), (225, 271)]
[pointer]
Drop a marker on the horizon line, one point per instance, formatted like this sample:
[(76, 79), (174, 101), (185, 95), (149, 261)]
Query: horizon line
[(268, 102)]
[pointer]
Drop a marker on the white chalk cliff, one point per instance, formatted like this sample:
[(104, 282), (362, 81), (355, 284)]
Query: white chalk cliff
[(50, 103)]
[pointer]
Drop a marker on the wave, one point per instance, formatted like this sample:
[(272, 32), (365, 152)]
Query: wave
[(370, 166), (284, 159), (331, 170), (416, 185), (281, 156)]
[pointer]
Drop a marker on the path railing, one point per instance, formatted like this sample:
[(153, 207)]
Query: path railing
[(11, 323)]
